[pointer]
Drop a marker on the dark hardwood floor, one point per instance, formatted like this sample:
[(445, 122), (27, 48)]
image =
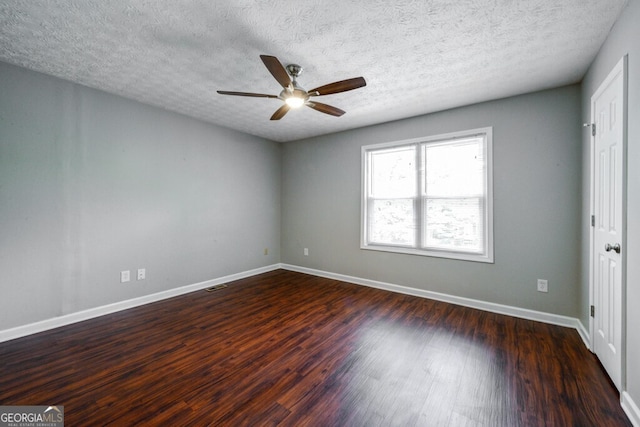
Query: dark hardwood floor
[(290, 349)]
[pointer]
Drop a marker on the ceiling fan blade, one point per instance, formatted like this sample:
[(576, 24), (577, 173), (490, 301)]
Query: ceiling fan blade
[(255, 95), (324, 108), (337, 87), (280, 112), (277, 70)]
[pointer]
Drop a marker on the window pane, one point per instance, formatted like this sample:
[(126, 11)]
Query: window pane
[(455, 169), (392, 222), (393, 172), (455, 224)]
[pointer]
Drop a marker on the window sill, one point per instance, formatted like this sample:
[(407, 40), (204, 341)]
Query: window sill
[(459, 256)]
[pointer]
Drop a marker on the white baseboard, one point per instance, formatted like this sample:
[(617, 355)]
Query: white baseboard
[(630, 408), (584, 334), (523, 313), (44, 325)]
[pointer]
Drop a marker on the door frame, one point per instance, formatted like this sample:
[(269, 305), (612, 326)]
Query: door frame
[(620, 67)]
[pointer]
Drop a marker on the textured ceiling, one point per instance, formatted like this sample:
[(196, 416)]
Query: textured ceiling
[(417, 56)]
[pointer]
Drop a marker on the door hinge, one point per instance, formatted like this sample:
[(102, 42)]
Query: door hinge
[(592, 126), (593, 220), (593, 311)]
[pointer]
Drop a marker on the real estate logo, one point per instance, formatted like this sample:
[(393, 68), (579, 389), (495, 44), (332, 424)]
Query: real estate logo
[(31, 416)]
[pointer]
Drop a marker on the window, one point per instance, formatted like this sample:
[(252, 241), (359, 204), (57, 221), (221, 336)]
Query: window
[(430, 196)]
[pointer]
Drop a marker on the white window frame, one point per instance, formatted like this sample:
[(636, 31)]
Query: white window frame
[(487, 254)]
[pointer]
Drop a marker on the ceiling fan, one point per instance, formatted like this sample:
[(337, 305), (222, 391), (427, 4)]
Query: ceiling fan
[(293, 95)]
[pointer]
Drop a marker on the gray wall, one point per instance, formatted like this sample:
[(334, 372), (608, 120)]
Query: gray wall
[(537, 207), (624, 39), (92, 184)]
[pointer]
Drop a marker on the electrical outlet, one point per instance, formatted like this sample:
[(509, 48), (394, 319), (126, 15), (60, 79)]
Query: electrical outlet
[(543, 285), (266, 251), (125, 276), (306, 251), (142, 273)]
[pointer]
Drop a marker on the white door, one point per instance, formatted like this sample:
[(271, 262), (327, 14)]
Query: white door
[(607, 112)]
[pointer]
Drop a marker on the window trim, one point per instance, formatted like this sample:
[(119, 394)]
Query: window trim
[(487, 133)]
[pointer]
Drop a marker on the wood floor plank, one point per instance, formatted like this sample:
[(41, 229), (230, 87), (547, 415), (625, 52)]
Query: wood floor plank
[(289, 349)]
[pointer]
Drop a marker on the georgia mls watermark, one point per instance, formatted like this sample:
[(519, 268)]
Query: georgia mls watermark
[(31, 416)]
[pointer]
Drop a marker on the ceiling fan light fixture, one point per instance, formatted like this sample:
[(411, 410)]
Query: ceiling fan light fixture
[(294, 101)]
